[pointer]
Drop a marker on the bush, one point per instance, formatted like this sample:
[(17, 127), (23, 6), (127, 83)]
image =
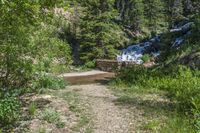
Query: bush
[(9, 110), (90, 64), (145, 58), (183, 87), (182, 83)]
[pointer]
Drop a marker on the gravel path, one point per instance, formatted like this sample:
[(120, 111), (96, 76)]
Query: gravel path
[(108, 118)]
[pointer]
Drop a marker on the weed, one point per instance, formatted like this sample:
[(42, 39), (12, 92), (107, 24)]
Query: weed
[(177, 125), (32, 108), (9, 110), (52, 116), (152, 125)]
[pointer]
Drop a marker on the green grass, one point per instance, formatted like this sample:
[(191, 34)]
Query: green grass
[(52, 116), (160, 117), (177, 125), (81, 111), (32, 109), (152, 125)]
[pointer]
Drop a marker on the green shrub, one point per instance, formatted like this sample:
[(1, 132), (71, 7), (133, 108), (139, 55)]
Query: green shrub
[(9, 110), (133, 75), (182, 83), (145, 58), (90, 64)]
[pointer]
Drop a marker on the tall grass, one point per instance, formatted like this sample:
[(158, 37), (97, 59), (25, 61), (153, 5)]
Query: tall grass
[(181, 83)]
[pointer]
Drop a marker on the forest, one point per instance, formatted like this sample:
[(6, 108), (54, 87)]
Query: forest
[(42, 39)]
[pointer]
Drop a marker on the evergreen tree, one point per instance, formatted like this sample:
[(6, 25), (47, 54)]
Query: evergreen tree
[(100, 35), (177, 12), (154, 14), (131, 13)]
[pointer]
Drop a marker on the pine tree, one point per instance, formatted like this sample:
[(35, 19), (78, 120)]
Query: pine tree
[(100, 35), (154, 14), (177, 12), (131, 13)]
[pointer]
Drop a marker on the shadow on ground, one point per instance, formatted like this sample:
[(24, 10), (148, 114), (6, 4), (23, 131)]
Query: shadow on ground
[(155, 103)]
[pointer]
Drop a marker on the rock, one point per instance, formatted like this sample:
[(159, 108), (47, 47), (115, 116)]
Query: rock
[(192, 60)]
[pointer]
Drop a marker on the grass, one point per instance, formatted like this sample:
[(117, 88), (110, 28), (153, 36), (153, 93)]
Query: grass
[(160, 113), (152, 125), (52, 116), (81, 111), (32, 109)]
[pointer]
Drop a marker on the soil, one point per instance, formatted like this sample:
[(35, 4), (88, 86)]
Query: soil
[(105, 113)]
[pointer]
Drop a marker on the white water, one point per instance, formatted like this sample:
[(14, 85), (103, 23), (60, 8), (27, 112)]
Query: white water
[(134, 53)]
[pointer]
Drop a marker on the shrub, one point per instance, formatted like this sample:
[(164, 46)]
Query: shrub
[(145, 58), (133, 75), (182, 83), (90, 64), (183, 87), (9, 110)]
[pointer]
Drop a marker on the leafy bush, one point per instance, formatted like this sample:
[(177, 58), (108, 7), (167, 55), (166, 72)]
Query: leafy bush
[(182, 83), (133, 75), (90, 64), (145, 58), (9, 110)]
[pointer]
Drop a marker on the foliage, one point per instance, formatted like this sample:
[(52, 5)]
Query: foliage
[(181, 83), (100, 35), (32, 108), (49, 82), (28, 42), (90, 64), (178, 125), (145, 58), (9, 110), (52, 116)]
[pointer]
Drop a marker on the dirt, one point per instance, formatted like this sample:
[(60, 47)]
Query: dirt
[(108, 118), (96, 103)]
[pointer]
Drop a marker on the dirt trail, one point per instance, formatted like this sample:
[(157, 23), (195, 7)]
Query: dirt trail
[(108, 118)]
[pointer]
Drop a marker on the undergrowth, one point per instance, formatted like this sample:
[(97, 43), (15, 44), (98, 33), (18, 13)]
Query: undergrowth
[(181, 84)]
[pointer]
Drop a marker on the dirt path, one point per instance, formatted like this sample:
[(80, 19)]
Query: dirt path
[(107, 117)]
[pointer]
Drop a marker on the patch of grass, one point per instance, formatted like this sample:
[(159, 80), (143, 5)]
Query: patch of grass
[(41, 130), (32, 109), (177, 125), (52, 116), (80, 110), (60, 124), (152, 125), (84, 120)]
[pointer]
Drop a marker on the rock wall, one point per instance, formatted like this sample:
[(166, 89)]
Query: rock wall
[(112, 65)]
